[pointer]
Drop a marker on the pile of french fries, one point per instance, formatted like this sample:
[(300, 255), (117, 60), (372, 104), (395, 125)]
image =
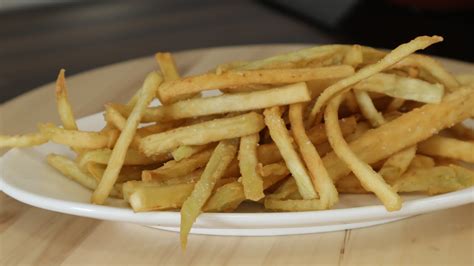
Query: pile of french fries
[(289, 132)]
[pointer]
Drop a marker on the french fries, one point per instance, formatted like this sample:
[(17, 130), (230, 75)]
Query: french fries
[(280, 135), (259, 141), (392, 58), (126, 136), (448, 148), (248, 161), (202, 133), (215, 168), (172, 91)]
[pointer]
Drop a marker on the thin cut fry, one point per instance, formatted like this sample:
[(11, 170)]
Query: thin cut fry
[(248, 161), (177, 168), (448, 148), (294, 205), (397, 164), (321, 180), (226, 103), (160, 197), (202, 133), (215, 168), (282, 139), (167, 66), (392, 58), (436, 180), (186, 151), (409, 129), (102, 156), (127, 173), (119, 152), (79, 139), (26, 140), (368, 109), (367, 176), (175, 90), (354, 56), (402, 87), (433, 68), (62, 103), (68, 168)]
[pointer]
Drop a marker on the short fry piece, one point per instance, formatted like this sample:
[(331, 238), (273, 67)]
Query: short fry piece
[(26, 140), (186, 151), (367, 176), (120, 150), (448, 148), (69, 168), (282, 139), (321, 180), (167, 66), (175, 90), (102, 156), (294, 205), (202, 133), (248, 161), (215, 168), (397, 164), (62, 103), (160, 198), (368, 109)]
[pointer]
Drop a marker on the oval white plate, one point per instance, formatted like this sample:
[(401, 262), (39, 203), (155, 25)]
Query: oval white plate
[(27, 177)]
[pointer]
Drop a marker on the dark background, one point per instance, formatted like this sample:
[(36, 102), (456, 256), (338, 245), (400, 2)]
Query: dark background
[(36, 41)]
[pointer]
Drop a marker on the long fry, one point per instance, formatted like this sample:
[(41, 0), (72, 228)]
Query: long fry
[(226, 103), (280, 135), (202, 133), (321, 180), (392, 58), (175, 90), (120, 150), (215, 168), (367, 176)]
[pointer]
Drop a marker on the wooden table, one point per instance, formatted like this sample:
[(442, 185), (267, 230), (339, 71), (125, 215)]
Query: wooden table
[(30, 235)]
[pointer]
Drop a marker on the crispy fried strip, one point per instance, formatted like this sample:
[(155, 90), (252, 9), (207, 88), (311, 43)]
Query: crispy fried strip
[(167, 66), (226, 103), (186, 151), (378, 144), (102, 156), (62, 103), (397, 164), (390, 59), (177, 168), (215, 168), (79, 139), (448, 148), (321, 180), (433, 67), (68, 168), (367, 176), (248, 161), (119, 152), (202, 133), (26, 140), (282, 139), (175, 90), (368, 109)]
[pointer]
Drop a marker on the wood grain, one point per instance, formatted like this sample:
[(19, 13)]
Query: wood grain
[(32, 236)]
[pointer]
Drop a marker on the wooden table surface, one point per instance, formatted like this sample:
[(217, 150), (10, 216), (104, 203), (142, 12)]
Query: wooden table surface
[(32, 236)]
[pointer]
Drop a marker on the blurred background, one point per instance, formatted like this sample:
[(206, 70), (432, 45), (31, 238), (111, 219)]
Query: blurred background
[(39, 37)]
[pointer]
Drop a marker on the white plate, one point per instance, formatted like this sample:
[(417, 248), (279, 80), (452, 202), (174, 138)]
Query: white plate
[(27, 177)]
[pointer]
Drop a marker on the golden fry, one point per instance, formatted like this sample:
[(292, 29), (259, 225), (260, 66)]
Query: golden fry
[(119, 152), (62, 103), (248, 161), (26, 140), (448, 148), (79, 139)]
